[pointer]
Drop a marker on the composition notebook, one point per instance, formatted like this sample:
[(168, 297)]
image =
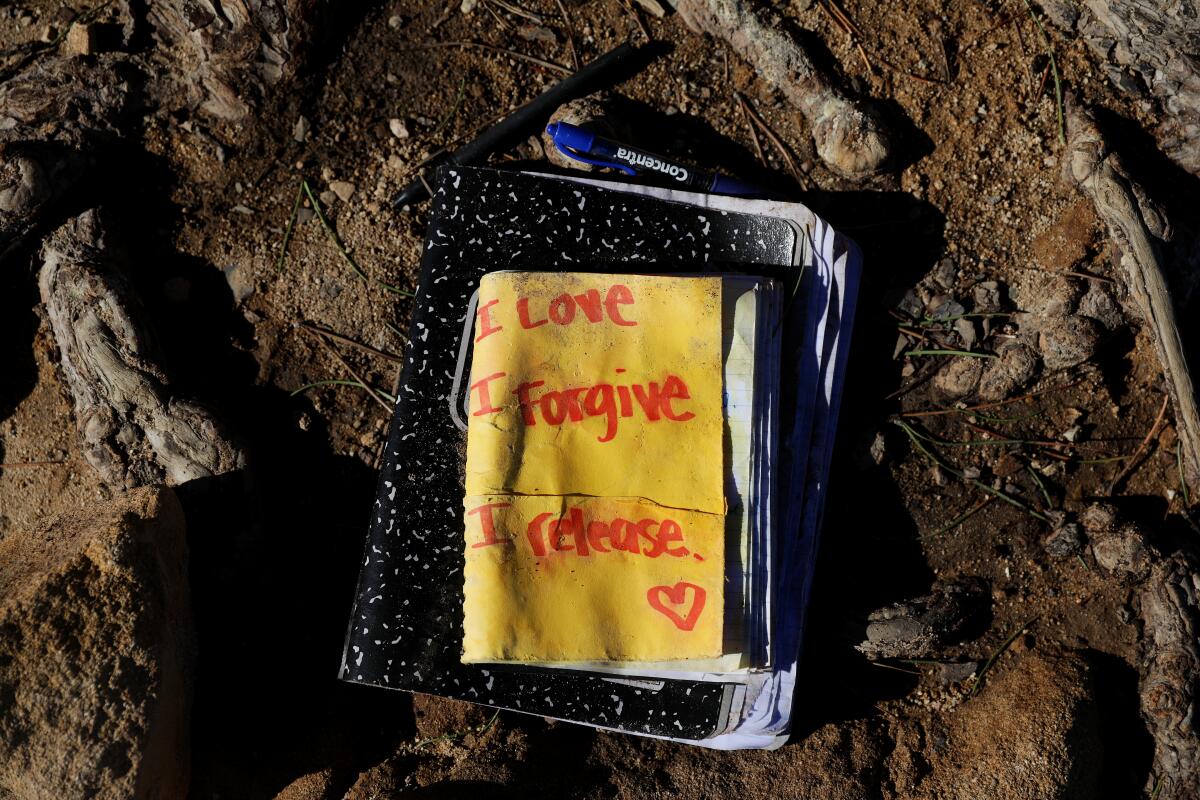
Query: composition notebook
[(604, 478)]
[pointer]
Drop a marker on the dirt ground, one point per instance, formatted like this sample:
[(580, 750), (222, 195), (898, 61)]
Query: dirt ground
[(977, 188)]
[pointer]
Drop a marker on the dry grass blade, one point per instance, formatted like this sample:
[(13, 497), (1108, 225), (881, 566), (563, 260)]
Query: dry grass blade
[(1134, 461), (750, 112), (568, 26), (1183, 487), (637, 18), (403, 336), (505, 24), (287, 234), (935, 412), (965, 353), (458, 98), (330, 382), (991, 662), (341, 248), (1058, 94), (916, 438), (338, 337), (541, 62), (758, 151), (517, 10), (959, 520), (353, 373)]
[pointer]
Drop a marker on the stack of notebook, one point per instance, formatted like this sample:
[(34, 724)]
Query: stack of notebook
[(605, 475)]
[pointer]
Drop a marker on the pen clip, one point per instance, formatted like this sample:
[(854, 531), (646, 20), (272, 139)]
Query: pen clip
[(569, 153)]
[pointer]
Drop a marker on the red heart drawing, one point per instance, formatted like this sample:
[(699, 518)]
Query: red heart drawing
[(676, 595)]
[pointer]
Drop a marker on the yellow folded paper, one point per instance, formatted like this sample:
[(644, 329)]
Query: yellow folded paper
[(606, 385), (594, 481), (576, 578)]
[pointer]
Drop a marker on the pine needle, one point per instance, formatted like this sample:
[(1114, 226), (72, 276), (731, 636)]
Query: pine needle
[(341, 248), (996, 655), (967, 353), (1058, 94), (978, 484), (287, 234), (339, 382)]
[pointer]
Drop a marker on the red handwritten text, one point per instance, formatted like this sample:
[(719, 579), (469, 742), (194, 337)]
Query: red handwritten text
[(656, 401), (573, 533), (562, 310)]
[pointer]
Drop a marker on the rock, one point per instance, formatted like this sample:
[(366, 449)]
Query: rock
[(952, 672), (1064, 541), (878, 449), (327, 198), (1122, 551), (395, 21), (1099, 518), (96, 654), (81, 40), (917, 627), (1046, 296), (537, 33), (240, 280), (468, 6), (1068, 341), (300, 129), (965, 329), (1098, 304), (946, 308), (959, 377), (1032, 733), (653, 7), (592, 113), (343, 189), (987, 297), (910, 305), (1015, 368), (1061, 12), (945, 274), (398, 128)]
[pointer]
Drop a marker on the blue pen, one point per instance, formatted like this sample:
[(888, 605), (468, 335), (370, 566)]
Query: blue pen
[(585, 146)]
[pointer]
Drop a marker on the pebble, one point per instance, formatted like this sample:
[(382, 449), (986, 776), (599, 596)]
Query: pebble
[(300, 129), (343, 189), (878, 448), (966, 332), (1014, 369), (945, 274), (328, 197), (1064, 541), (956, 673), (1068, 341), (959, 377), (80, 41), (1098, 304), (1123, 552), (1099, 517), (468, 6), (947, 309), (395, 21), (240, 281), (398, 128), (987, 297)]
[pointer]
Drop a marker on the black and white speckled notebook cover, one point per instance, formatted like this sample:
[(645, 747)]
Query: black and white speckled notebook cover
[(406, 626)]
